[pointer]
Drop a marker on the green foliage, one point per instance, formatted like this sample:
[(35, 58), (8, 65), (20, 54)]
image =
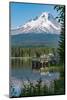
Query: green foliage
[(61, 19), (61, 13), (30, 52), (35, 90), (40, 89), (59, 86)]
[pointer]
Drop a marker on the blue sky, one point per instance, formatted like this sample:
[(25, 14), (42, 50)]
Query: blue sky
[(22, 12)]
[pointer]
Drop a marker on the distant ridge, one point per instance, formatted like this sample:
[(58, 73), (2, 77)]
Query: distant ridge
[(34, 40)]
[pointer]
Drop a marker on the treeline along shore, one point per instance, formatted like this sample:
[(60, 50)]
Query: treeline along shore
[(31, 51)]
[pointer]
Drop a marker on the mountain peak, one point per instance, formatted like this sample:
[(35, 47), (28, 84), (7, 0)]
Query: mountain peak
[(47, 15), (44, 14), (45, 23)]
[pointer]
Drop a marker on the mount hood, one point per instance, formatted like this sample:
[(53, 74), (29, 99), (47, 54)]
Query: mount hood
[(45, 23)]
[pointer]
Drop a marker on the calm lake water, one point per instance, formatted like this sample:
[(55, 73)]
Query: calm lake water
[(21, 71)]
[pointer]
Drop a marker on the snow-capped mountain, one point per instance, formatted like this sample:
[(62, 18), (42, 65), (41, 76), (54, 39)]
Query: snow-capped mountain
[(45, 23)]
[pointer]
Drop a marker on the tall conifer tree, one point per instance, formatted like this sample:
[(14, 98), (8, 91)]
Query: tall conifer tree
[(61, 19)]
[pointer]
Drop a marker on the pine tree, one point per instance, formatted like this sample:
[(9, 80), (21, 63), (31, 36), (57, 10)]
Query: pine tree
[(61, 19)]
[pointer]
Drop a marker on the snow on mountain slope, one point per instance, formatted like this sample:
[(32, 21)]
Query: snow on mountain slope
[(45, 23)]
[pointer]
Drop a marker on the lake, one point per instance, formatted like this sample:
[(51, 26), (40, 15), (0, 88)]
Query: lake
[(21, 71)]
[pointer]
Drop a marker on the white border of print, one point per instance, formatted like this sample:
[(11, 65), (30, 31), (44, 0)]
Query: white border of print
[(4, 49)]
